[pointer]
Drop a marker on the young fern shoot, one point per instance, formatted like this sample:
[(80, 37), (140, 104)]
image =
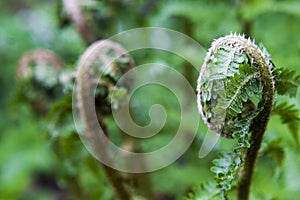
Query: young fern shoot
[(235, 99), (38, 80), (109, 60)]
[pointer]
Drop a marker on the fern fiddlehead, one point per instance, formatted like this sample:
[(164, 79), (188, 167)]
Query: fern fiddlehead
[(109, 60), (37, 57), (37, 74), (235, 99)]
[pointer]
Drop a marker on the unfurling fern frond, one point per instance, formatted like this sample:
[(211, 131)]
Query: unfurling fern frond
[(109, 61), (235, 88), (229, 84), (38, 83)]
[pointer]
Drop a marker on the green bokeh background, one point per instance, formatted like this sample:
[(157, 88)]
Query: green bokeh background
[(31, 168)]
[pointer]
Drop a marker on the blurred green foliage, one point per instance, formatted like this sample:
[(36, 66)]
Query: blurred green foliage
[(40, 159)]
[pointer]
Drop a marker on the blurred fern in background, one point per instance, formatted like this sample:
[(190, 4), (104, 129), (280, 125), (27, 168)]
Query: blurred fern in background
[(42, 157)]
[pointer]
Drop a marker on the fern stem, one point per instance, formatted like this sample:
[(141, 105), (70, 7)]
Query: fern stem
[(113, 176), (259, 124), (258, 129), (86, 104), (73, 9)]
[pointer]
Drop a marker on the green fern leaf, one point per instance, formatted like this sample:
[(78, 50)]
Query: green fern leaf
[(59, 118), (239, 89), (207, 191), (286, 81), (289, 115), (232, 82), (275, 148)]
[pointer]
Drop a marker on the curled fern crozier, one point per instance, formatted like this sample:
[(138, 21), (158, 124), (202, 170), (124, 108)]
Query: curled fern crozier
[(235, 100), (231, 82)]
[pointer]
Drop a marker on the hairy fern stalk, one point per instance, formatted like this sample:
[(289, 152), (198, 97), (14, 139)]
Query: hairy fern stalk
[(109, 60), (235, 99)]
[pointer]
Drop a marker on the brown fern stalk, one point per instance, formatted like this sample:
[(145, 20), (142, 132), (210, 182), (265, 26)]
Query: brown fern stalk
[(73, 8), (259, 123), (94, 61)]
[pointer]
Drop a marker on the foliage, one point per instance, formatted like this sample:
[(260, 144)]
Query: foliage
[(289, 115), (205, 191), (41, 156), (287, 81), (230, 97), (222, 90)]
